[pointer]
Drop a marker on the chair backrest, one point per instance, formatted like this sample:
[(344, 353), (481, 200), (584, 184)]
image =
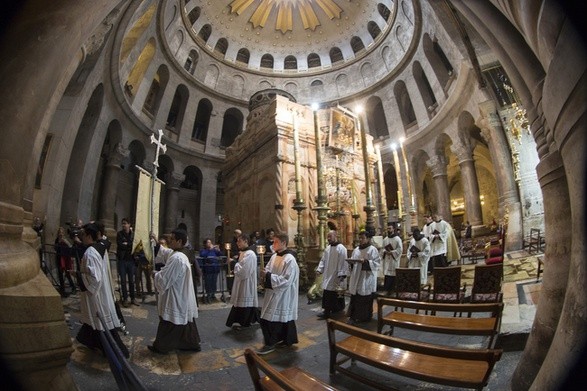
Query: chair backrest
[(447, 284), (487, 283), (407, 283)]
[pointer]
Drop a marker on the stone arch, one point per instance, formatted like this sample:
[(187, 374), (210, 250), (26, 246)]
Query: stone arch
[(373, 29), (212, 74), (290, 62), (314, 60), (317, 87), (357, 45), (169, 17), (202, 121), (194, 15), (82, 160), (221, 46), (426, 91), (335, 55), (342, 83), (193, 178), (291, 87), (437, 60), (406, 109), (376, 117), (232, 126), (205, 32), (192, 61), (156, 90), (367, 73), (177, 110), (176, 42), (243, 56), (136, 156), (238, 85), (267, 61)]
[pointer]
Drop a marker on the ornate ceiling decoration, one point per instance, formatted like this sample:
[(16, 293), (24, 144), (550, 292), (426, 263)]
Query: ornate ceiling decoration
[(285, 12)]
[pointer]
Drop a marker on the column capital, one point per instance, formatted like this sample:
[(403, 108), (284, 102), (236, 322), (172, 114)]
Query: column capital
[(463, 151), (117, 155), (438, 165)]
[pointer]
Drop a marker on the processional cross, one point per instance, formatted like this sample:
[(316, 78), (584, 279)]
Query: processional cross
[(160, 147)]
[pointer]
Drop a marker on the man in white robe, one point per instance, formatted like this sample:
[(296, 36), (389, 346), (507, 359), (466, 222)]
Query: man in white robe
[(176, 301), (96, 292), (419, 254), (438, 242), (281, 278), (334, 270), (365, 263), (427, 232), (391, 253), (244, 298)]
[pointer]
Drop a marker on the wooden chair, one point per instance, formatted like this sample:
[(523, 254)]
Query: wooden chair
[(290, 379), (487, 284), (534, 242), (407, 285), (447, 285)]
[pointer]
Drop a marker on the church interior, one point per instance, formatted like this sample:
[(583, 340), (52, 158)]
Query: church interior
[(294, 115)]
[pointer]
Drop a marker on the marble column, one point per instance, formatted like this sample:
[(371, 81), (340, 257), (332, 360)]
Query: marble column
[(172, 186), (464, 155), (507, 190), (110, 189), (438, 166)]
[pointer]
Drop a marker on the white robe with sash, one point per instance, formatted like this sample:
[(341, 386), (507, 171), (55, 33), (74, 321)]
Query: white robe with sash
[(244, 288), (280, 303)]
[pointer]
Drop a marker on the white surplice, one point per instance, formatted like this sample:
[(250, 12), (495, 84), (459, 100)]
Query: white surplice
[(364, 282), (244, 288), (98, 297), (177, 299), (333, 265), (280, 303), (421, 260), (391, 259)]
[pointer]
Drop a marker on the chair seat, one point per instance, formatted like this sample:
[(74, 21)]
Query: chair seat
[(494, 260)]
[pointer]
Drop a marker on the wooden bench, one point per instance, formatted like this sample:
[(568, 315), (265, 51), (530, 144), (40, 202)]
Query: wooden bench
[(426, 317), (290, 379), (466, 368)]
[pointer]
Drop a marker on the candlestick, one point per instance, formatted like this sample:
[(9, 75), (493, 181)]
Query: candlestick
[(297, 158), (382, 198), (369, 209), (321, 200)]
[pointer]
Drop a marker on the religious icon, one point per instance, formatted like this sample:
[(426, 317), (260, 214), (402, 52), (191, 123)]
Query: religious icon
[(342, 131)]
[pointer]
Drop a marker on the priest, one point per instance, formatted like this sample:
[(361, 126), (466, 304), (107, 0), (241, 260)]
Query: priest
[(177, 306), (391, 254)]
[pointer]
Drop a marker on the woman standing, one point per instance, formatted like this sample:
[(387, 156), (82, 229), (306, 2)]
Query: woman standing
[(244, 299), (365, 263)]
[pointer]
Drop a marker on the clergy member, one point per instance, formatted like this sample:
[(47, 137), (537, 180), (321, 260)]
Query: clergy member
[(244, 299), (334, 269), (96, 292), (419, 254), (177, 300), (281, 278), (438, 242), (390, 256), (364, 263)]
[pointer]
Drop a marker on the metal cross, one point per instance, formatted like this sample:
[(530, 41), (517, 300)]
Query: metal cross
[(160, 146)]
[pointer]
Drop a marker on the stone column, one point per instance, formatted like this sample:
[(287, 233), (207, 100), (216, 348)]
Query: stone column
[(110, 189), (34, 337), (438, 166), (507, 189), (554, 187), (172, 183), (470, 184)]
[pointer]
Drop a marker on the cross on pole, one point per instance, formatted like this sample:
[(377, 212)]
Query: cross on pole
[(160, 147)]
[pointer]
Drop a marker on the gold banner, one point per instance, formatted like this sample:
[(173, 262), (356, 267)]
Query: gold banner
[(143, 216)]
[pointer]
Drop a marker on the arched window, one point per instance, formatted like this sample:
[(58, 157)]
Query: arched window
[(177, 109), (438, 61), (231, 127), (243, 56), (357, 44), (221, 46), (191, 62), (155, 94), (290, 62), (406, 109), (335, 55), (194, 15), (314, 60), (425, 89), (205, 32), (200, 130), (267, 61), (384, 11), (376, 118), (373, 29)]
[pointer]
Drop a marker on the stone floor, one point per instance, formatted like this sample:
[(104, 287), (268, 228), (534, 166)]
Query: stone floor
[(221, 366)]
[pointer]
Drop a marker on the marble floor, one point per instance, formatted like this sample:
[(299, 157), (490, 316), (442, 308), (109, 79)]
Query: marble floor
[(221, 366)]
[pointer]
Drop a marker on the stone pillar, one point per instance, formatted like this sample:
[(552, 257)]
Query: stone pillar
[(557, 258), (34, 338), (110, 189), (507, 190), (438, 166), (470, 184), (172, 183)]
